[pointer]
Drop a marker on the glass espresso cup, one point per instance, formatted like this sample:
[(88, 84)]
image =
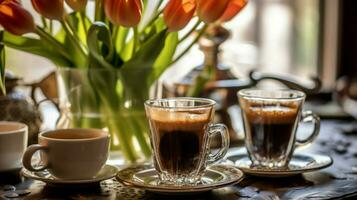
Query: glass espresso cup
[(181, 129), (270, 122)]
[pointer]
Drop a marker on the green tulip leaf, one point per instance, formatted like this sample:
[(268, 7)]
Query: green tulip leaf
[(160, 24), (61, 36), (100, 45), (146, 56), (145, 3), (127, 52), (35, 46), (166, 56), (104, 82), (80, 24), (99, 10), (147, 33), (73, 36), (119, 39), (140, 66)]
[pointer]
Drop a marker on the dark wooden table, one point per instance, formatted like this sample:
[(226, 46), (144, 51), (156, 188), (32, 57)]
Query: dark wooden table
[(337, 139)]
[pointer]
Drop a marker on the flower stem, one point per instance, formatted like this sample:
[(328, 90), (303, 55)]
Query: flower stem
[(159, 4), (44, 22), (140, 133), (52, 41), (192, 43), (154, 18), (72, 30), (72, 36), (98, 13), (190, 32), (51, 27), (83, 19), (115, 32), (135, 39), (124, 137)]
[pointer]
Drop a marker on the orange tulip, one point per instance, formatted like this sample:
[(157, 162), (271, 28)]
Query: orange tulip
[(233, 8), (123, 12), (51, 9), (178, 13), (77, 5), (211, 10), (13, 1), (14, 18)]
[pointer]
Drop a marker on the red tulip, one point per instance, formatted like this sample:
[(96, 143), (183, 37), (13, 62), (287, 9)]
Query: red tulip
[(178, 13), (14, 18), (77, 5), (123, 12), (13, 1), (233, 8), (51, 9), (211, 10)]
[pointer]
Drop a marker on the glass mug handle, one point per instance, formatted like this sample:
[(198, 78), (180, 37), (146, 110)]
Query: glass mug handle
[(308, 116), (214, 129)]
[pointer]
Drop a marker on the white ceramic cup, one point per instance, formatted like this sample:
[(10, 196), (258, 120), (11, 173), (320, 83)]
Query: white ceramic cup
[(70, 154), (13, 142)]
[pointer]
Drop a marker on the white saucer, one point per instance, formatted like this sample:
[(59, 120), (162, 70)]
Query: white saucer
[(145, 177), (107, 172), (299, 163)]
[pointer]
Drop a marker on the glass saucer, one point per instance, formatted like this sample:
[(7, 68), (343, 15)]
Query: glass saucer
[(107, 172), (146, 177), (300, 163)]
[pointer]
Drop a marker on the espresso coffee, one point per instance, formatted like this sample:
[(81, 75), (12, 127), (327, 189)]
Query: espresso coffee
[(179, 144), (270, 130), (180, 128), (271, 118)]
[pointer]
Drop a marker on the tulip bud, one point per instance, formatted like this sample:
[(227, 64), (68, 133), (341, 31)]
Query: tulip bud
[(178, 13), (77, 5), (123, 12), (233, 8), (13, 1), (211, 10), (14, 18), (51, 9)]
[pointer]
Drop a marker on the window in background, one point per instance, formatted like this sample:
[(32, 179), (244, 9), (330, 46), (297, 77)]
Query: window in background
[(272, 35), (279, 36)]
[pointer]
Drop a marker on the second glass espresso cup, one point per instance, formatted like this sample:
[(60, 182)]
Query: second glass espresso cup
[(270, 122), (181, 129)]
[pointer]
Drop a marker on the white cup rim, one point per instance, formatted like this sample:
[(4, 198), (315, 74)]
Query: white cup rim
[(22, 127), (104, 135)]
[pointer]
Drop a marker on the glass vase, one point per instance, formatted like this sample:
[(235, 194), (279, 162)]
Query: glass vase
[(110, 99)]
